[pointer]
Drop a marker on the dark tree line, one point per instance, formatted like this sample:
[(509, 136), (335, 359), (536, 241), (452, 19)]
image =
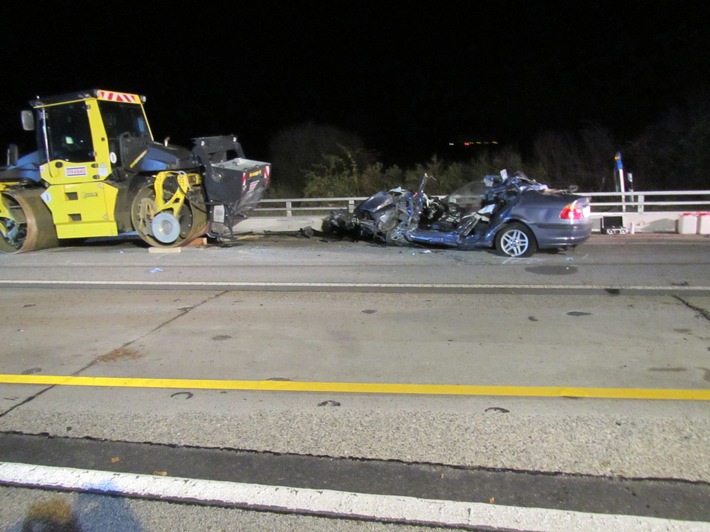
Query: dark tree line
[(313, 160)]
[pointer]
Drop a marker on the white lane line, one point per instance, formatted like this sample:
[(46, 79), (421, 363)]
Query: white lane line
[(247, 284), (390, 508)]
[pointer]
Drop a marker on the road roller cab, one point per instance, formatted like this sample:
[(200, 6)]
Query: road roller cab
[(98, 172)]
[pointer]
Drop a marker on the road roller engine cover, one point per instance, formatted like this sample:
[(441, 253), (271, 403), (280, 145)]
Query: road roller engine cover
[(97, 172)]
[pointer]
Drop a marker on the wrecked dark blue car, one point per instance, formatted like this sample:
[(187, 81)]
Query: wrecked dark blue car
[(513, 215)]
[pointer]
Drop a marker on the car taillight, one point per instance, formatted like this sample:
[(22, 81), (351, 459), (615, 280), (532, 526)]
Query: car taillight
[(572, 212)]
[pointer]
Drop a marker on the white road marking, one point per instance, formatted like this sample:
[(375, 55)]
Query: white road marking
[(246, 284), (390, 508)]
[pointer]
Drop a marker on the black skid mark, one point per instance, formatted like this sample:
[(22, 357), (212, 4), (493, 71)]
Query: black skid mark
[(188, 395)]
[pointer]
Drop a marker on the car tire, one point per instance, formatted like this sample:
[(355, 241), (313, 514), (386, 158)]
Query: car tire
[(516, 240)]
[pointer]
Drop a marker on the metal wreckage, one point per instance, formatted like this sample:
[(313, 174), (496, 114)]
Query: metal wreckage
[(512, 214)]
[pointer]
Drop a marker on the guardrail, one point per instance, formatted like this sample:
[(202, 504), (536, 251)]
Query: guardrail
[(602, 203), (643, 201), (644, 211)]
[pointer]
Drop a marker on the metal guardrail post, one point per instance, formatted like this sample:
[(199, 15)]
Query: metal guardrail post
[(289, 205)]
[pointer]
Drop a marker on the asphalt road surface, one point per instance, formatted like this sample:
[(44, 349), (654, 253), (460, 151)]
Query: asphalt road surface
[(300, 383)]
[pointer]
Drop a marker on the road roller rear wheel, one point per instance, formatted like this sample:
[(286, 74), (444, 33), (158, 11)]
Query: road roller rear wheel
[(164, 229)]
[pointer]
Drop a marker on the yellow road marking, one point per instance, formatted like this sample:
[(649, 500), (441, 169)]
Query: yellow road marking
[(365, 387)]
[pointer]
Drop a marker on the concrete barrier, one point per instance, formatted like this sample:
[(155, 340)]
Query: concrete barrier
[(279, 224), (650, 222), (688, 223), (704, 223)]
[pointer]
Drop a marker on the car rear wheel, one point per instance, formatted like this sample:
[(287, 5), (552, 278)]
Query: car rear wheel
[(516, 240)]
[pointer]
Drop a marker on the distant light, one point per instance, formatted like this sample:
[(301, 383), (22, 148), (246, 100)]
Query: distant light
[(469, 143)]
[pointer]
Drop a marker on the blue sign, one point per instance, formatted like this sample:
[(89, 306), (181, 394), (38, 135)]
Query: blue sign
[(617, 158)]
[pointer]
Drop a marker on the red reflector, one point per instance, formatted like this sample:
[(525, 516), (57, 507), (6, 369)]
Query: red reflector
[(244, 179), (572, 212)]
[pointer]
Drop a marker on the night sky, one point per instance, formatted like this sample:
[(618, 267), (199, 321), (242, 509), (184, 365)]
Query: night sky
[(408, 81)]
